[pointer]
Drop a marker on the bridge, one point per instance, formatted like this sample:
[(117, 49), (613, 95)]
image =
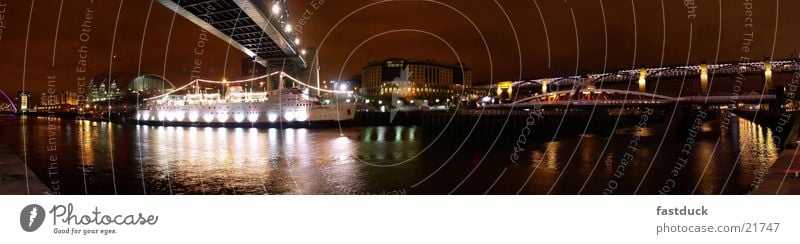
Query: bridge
[(703, 71), (7, 105), (265, 36), (616, 98)]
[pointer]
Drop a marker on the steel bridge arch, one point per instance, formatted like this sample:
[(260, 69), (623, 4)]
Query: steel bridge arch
[(10, 101), (733, 68), (614, 77), (611, 91), (786, 66), (658, 74)]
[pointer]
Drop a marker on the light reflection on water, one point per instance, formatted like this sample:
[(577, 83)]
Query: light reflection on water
[(191, 160), (746, 149), (255, 161)]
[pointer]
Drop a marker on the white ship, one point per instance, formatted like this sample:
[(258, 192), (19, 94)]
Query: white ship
[(281, 107)]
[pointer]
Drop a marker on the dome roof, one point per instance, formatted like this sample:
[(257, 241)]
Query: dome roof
[(150, 82)]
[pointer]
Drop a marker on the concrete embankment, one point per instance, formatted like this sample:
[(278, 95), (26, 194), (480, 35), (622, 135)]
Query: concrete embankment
[(16, 178), (782, 177)]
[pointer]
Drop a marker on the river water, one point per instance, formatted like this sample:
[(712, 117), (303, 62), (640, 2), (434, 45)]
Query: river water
[(83, 157)]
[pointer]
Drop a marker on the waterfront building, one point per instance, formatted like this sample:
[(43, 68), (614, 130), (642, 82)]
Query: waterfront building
[(413, 82), (103, 87), (149, 85), (63, 97), (6, 107), (22, 99)]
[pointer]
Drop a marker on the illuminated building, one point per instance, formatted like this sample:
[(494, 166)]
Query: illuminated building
[(150, 85), (103, 87), (414, 81), (57, 98), (23, 98)]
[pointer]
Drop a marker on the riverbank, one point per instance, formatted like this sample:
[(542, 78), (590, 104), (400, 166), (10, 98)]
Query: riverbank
[(782, 176), (16, 178)]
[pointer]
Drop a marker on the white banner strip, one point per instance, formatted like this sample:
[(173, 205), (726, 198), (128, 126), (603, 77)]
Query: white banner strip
[(398, 219)]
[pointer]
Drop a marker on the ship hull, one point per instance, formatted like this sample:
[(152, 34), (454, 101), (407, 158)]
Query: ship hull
[(249, 115), (295, 124)]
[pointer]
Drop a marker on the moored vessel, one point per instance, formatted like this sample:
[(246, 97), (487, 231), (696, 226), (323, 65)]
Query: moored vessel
[(235, 106)]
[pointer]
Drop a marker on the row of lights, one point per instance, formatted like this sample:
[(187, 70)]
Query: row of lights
[(341, 86), (367, 101), (276, 9), (193, 117)]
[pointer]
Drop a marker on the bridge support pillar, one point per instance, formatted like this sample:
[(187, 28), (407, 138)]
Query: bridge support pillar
[(767, 76), (642, 80), (544, 86), (590, 84), (768, 89), (704, 79)]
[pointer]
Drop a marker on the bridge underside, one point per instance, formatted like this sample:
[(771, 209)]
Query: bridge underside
[(245, 26)]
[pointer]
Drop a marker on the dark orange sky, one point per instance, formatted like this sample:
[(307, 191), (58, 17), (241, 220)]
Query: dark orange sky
[(131, 39), (405, 29)]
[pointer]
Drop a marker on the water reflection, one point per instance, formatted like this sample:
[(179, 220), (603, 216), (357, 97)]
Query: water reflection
[(238, 160), (201, 160), (744, 153)]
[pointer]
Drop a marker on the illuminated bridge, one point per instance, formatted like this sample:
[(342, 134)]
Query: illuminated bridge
[(642, 75), (617, 98), (261, 31), (6, 103)]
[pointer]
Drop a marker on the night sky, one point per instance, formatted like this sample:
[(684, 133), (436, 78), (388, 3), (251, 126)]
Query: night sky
[(505, 41)]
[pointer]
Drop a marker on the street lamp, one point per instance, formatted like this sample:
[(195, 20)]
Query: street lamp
[(276, 8)]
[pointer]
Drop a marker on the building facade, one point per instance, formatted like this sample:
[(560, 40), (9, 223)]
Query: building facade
[(58, 98), (149, 85), (412, 79), (23, 101), (103, 87)]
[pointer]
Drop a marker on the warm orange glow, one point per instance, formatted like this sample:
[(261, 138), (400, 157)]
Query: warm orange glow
[(544, 86), (703, 78), (642, 80), (507, 85), (768, 74)]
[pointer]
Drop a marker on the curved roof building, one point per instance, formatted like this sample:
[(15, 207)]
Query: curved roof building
[(150, 84)]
